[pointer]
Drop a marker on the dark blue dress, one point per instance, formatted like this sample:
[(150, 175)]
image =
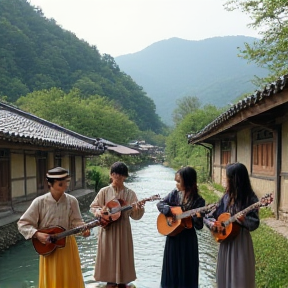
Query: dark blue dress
[(181, 260)]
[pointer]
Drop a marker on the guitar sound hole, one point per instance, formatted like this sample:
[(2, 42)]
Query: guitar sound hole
[(52, 240)]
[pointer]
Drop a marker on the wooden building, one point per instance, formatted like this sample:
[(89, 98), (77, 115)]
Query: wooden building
[(29, 146), (254, 132)]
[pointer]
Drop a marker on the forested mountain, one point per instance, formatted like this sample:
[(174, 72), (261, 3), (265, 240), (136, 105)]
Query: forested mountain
[(37, 54), (208, 69)]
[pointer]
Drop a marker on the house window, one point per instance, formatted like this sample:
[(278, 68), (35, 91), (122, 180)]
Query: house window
[(225, 152), (5, 193), (263, 152)]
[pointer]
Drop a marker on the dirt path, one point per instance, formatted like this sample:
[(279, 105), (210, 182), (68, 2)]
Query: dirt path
[(279, 226)]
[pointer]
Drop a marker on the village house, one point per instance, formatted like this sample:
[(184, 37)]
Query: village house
[(254, 132), (29, 146)]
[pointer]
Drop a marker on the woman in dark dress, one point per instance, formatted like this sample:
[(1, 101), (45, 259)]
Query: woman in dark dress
[(181, 260)]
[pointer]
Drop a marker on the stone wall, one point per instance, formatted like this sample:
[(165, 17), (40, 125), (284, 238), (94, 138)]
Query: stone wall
[(283, 216), (9, 233)]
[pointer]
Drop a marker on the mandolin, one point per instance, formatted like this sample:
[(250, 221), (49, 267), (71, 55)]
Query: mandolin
[(112, 210), (228, 222), (57, 238), (172, 225)]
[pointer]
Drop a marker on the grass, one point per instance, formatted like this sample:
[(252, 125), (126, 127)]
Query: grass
[(218, 187), (271, 248), (207, 194), (271, 255)]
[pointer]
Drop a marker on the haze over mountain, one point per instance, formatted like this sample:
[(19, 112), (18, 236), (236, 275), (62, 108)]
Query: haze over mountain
[(36, 54), (208, 69)]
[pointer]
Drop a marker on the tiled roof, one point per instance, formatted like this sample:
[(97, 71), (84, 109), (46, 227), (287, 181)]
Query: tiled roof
[(22, 127), (271, 90), (123, 150)]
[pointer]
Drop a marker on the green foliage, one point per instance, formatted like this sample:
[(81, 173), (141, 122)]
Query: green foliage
[(270, 17), (153, 138), (185, 106), (97, 177), (179, 153), (271, 258), (36, 54), (94, 116), (107, 159), (266, 213), (218, 187)]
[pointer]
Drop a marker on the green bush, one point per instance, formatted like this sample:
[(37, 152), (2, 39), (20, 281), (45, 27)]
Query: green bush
[(97, 177)]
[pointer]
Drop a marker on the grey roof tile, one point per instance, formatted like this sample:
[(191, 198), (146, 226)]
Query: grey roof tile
[(271, 90), (19, 126)]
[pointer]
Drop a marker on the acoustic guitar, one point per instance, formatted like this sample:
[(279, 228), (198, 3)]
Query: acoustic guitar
[(172, 225), (57, 238), (112, 210), (230, 227)]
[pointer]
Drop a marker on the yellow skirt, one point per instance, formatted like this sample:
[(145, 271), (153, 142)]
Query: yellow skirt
[(62, 268)]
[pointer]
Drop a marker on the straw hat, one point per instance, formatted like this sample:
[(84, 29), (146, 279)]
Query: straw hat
[(57, 173)]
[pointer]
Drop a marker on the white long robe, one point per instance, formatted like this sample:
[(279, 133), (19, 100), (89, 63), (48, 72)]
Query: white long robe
[(115, 253)]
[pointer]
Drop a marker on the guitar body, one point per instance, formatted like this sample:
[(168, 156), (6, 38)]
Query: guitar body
[(232, 228), (48, 248), (169, 226), (230, 232), (108, 217), (111, 212)]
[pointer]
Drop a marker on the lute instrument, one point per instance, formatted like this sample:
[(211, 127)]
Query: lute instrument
[(57, 238), (112, 210), (230, 228), (172, 225)]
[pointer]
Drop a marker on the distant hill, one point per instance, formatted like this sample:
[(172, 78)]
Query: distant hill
[(208, 69), (37, 54)]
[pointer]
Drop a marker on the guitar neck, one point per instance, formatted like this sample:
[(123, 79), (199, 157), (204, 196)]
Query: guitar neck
[(241, 213), (194, 211), (129, 207), (208, 222), (76, 230)]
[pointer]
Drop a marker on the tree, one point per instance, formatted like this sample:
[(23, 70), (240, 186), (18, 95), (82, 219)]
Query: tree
[(36, 54), (94, 116), (178, 151), (271, 51), (185, 105)]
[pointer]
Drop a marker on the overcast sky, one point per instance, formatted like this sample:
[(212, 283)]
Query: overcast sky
[(119, 27)]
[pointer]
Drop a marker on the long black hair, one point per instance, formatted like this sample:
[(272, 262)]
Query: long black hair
[(238, 184), (189, 176)]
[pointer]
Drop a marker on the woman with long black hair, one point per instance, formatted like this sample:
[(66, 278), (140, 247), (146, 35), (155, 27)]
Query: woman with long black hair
[(181, 259), (236, 261)]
